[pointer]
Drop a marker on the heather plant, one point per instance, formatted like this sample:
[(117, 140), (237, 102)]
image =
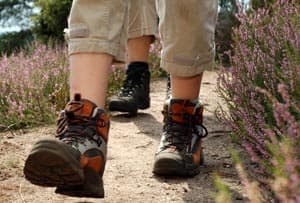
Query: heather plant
[(33, 85), (154, 60), (261, 89)]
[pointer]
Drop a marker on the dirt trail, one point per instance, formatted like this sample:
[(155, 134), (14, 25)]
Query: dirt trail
[(133, 142)]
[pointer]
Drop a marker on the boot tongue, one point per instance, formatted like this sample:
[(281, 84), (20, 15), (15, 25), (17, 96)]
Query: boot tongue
[(80, 107), (180, 109)]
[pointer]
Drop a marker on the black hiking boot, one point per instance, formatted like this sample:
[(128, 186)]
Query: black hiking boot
[(168, 92), (75, 162), (180, 151), (134, 93)]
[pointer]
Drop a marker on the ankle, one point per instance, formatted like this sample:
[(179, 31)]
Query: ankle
[(138, 66)]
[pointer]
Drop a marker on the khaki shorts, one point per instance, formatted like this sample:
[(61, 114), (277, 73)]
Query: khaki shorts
[(186, 30)]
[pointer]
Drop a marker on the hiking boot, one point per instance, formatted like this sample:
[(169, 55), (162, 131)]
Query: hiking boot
[(134, 93), (168, 92), (180, 151), (75, 162)]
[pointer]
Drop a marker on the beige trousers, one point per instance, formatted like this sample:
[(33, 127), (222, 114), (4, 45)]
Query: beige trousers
[(186, 29)]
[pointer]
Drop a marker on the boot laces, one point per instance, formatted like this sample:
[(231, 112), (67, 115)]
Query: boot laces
[(180, 134), (76, 128), (133, 80)]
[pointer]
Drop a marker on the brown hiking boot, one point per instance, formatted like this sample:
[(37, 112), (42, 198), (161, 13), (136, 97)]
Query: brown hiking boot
[(75, 162), (180, 151)]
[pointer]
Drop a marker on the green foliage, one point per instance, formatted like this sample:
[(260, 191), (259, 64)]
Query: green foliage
[(52, 20), (47, 25), (14, 41), (223, 37), (256, 4), (222, 195)]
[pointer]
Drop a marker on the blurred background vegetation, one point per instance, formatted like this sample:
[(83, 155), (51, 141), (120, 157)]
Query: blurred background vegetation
[(30, 20)]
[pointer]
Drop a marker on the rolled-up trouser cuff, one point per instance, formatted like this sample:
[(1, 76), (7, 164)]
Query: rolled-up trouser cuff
[(150, 31), (87, 45), (182, 70)]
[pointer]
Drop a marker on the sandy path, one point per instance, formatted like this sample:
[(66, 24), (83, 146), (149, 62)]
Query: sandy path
[(133, 142)]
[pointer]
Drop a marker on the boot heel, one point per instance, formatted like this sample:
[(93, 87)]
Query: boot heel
[(92, 186), (144, 104)]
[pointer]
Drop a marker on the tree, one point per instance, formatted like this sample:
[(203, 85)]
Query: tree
[(15, 12), (52, 20), (14, 41), (46, 18), (38, 19)]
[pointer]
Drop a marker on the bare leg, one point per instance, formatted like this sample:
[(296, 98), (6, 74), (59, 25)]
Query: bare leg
[(186, 87), (138, 49), (89, 76), (134, 93)]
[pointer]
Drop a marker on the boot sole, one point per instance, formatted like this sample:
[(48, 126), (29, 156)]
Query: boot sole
[(167, 167), (54, 164), (91, 187), (171, 167), (131, 109)]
